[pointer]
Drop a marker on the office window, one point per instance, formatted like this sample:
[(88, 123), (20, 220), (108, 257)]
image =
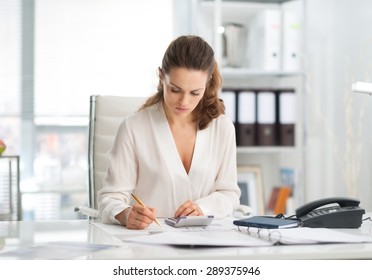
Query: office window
[(87, 47), (80, 48), (10, 73)]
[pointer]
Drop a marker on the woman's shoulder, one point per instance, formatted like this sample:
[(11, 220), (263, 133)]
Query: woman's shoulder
[(221, 126), (223, 121), (141, 116)]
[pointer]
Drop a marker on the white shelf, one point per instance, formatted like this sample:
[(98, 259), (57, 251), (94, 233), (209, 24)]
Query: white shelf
[(211, 15), (58, 191), (247, 5), (266, 2), (267, 150), (228, 72)]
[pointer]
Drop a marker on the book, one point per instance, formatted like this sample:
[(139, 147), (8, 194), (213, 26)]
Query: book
[(291, 176), (267, 222), (288, 176), (281, 201), (273, 198)]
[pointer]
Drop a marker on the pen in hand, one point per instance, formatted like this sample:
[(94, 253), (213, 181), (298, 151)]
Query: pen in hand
[(136, 198)]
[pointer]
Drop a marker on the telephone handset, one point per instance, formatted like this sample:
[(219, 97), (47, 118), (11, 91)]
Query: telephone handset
[(346, 214)]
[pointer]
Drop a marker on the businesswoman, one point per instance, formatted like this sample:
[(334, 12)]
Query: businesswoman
[(178, 152)]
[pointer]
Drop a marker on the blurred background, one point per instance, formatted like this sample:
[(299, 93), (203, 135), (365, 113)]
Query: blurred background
[(54, 54)]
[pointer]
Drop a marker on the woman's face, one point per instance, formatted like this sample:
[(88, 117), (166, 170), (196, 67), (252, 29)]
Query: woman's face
[(183, 90)]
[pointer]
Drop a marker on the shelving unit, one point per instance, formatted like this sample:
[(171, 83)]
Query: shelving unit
[(10, 196), (56, 203), (211, 17)]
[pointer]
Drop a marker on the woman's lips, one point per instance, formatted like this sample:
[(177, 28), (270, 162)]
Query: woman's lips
[(181, 109)]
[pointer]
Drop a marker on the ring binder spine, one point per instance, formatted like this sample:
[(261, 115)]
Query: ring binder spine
[(271, 235)]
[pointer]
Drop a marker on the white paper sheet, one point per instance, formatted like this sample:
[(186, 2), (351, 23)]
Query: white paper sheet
[(224, 233), (229, 238)]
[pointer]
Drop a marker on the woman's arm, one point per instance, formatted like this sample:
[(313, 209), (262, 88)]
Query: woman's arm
[(224, 197), (114, 197)]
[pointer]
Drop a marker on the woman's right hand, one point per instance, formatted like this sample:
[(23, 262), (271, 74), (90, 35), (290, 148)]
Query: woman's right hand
[(137, 217)]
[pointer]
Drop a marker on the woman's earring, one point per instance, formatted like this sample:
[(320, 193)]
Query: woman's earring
[(160, 73)]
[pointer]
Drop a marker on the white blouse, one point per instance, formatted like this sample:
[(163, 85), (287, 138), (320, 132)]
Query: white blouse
[(144, 159)]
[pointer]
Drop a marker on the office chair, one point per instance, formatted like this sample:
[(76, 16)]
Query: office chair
[(106, 114)]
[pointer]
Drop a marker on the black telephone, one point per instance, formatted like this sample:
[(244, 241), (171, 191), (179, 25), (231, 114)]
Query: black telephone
[(347, 214)]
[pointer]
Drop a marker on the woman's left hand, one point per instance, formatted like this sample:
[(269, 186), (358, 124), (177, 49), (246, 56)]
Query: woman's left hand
[(189, 208)]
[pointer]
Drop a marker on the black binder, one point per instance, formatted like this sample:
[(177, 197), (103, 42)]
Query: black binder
[(246, 118), (267, 222), (266, 118)]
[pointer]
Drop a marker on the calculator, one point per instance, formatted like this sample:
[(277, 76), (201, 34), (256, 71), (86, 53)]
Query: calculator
[(190, 221)]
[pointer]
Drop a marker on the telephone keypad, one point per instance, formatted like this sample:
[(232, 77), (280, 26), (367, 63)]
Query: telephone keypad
[(324, 211)]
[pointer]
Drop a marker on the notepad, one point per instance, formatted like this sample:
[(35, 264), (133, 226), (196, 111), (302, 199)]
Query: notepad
[(266, 222)]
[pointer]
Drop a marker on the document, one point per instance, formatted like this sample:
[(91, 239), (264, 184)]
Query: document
[(251, 238), (123, 233), (230, 238), (223, 233)]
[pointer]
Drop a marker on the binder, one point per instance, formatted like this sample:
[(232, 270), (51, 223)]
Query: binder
[(299, 234), (246, 122), (267, 222), (287, 117), (291, 41), (229, 99), (266, 118), (264, 45)]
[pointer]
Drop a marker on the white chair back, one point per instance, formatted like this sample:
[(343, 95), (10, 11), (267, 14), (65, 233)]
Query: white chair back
[(106, 114)]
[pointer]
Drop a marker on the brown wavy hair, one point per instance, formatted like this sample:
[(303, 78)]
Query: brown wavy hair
[(192, 52)]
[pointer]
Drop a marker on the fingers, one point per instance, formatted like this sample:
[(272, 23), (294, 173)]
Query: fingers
[(140, 217), (189, 208)]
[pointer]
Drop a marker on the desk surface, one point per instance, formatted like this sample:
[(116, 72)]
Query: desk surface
[(22, 236)]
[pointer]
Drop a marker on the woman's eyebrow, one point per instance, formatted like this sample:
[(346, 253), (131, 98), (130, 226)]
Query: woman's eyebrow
[(181, 88), (173, 85)]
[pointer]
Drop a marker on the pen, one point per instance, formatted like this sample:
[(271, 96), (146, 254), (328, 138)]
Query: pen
[(136, 198)]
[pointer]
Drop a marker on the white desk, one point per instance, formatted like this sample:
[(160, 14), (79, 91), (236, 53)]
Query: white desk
[(23, 234)]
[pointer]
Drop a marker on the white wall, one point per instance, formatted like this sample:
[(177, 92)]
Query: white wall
[(338, 53)]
